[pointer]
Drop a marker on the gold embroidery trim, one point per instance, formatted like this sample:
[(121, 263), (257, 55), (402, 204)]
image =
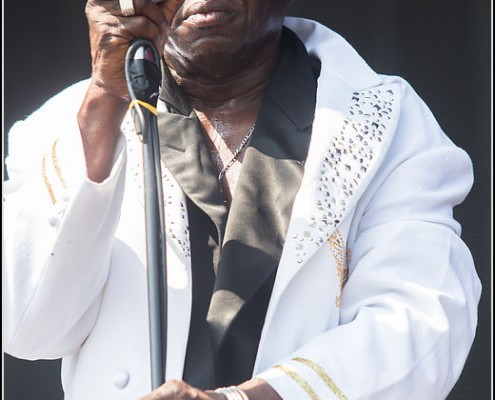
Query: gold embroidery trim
[(56, 164), (300, 381), (46, 181), (323, 375), (337, 245)]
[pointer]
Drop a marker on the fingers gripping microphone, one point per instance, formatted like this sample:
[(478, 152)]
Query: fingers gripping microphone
[(143, 75)]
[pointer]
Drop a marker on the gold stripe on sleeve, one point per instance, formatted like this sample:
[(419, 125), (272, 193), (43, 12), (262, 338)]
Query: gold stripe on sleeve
[(300, 381), (56, 164), (323, 375), (46, 181)]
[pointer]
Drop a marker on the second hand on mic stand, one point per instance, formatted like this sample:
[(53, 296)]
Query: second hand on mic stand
[(142, 68)]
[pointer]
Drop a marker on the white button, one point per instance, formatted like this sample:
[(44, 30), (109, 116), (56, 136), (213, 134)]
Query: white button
[(121, 379), (53, 221)]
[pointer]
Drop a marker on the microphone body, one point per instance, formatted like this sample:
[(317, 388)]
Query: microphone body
[(143, 76)]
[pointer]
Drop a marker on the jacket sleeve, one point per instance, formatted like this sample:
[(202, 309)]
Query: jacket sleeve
[(409, 308), (58, 232)]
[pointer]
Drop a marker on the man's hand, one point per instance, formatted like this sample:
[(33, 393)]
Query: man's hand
[(110, 34), (107, 98), (180, 390), (256, 389)]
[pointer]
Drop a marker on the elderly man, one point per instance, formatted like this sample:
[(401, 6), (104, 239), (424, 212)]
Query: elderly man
[(311, 248)]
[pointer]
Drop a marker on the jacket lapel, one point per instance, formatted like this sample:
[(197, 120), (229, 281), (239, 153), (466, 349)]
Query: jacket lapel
[(179, 282), (346, 148), (353, 127)]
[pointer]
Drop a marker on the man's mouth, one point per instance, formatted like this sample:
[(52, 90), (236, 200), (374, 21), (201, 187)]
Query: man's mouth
[(207, 14), (209, 18)]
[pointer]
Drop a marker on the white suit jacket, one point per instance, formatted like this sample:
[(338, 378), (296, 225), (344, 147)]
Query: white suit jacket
[(375, 295)]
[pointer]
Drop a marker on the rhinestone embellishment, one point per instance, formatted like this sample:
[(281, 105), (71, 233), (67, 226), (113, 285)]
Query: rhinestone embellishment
[(176, 213), (176, 221), (348, 158)]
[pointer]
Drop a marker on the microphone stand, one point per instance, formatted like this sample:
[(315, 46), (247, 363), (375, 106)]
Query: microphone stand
[(143, 75)]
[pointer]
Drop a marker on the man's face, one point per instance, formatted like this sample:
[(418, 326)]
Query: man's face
[(206, 31)]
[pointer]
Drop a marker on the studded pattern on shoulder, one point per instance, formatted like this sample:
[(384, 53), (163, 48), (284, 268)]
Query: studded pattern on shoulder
[(349, 156)]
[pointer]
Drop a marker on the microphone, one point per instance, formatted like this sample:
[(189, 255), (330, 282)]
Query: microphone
[(143, 74)]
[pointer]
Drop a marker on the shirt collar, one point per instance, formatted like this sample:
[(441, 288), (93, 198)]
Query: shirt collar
[(296, 97)]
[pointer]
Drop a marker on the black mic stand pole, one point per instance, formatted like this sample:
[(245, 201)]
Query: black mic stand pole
[(143, 74)]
